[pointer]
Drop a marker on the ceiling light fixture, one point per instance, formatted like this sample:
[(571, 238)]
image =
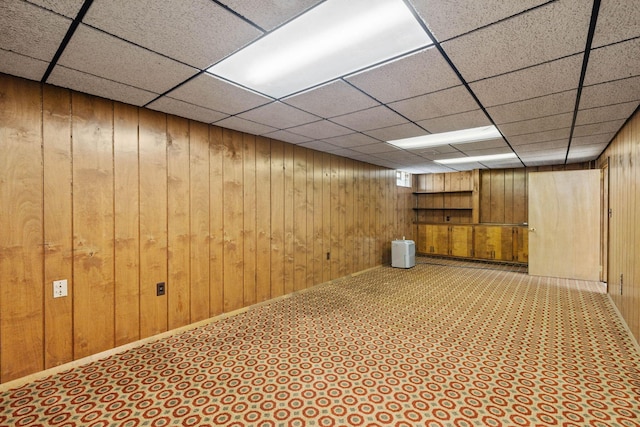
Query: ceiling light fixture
[(475, 159), (455, 137), (331, 40)]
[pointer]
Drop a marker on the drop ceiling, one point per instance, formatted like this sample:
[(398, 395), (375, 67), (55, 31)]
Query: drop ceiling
[(559, 78)]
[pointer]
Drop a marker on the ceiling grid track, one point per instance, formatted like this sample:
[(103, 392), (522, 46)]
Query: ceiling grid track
[(462, 79), (67, 38), (585, 62)]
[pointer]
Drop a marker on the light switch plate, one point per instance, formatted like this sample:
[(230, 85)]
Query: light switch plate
[(60, 288)]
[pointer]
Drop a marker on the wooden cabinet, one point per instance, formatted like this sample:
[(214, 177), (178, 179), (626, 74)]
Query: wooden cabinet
[(436, 239), (489, 242), (461, 241), (493, 242), (521, 244)]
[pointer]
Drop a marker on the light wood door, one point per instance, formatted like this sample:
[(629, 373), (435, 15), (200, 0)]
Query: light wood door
[(564, 224)]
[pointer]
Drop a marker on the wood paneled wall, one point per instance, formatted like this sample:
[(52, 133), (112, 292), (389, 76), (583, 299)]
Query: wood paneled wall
[(116, 199), (503, 192), (623, 160)]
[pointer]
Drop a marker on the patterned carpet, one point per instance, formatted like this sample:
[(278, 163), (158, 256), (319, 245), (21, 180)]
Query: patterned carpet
[(435, 345)]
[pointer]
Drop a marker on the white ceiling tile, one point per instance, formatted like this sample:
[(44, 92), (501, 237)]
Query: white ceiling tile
[(407, 130), (31, 31), (377, 148), (541, 124), (482, 145), (613, 62), (344, 152), (561, 27), (469, 119), (606, 113), (319, 145), (279, 115), (208, 91), (432, 152), (68, 8), (186, 110), (122, 62), (548, 105), (322, 129), (351, 140), (550, 135), (617, 20), (442, 103), (22, 66), (373, 118), (587, 153), (283, 135), (447, 19), (505, 164), (197, 32), (333, 99), (601, 139), (416, 74), (270, 13), (242, 125), (556, 155), (540, 80), (486, 151), (94, 85), (598, 128), (541, 146), (625, 90)]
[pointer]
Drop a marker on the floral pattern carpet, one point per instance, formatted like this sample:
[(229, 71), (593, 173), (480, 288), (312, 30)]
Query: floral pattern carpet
[(441, 344)]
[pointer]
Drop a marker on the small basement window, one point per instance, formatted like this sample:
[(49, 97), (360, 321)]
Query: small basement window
[(403, 179)]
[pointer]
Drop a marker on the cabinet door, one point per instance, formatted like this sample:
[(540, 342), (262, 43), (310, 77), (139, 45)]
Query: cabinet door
[(493, 242), (437, 237), (461, 240), (521, 244), (421, 244)]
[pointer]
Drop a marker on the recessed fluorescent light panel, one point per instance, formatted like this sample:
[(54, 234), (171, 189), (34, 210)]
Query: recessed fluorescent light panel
[(478, 159), (331, 40), (456, 137)]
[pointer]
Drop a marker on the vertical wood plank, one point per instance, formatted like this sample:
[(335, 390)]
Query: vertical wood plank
[(216, 227), (485, 196), (509, 199), (277, 218), (93, 221), (326, 216), (153, 221), (349, 220), (336, 238), (318, 207), (127, 224), (497, 196), (299, 217), (21, 198), (358, 213), (366, 216), (289, 218), (58, 243), (233, 220), (178, 219), (249, 210), (200, 231), (263, 220), (310, 215), (519, 196)]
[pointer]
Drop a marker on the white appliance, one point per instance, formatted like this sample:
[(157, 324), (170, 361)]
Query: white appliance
[(403, 253)]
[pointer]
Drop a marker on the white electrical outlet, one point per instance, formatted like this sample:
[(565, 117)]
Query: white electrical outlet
[(60, 288)]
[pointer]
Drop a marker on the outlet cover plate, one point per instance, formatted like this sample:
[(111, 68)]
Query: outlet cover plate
[(60, 288)]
